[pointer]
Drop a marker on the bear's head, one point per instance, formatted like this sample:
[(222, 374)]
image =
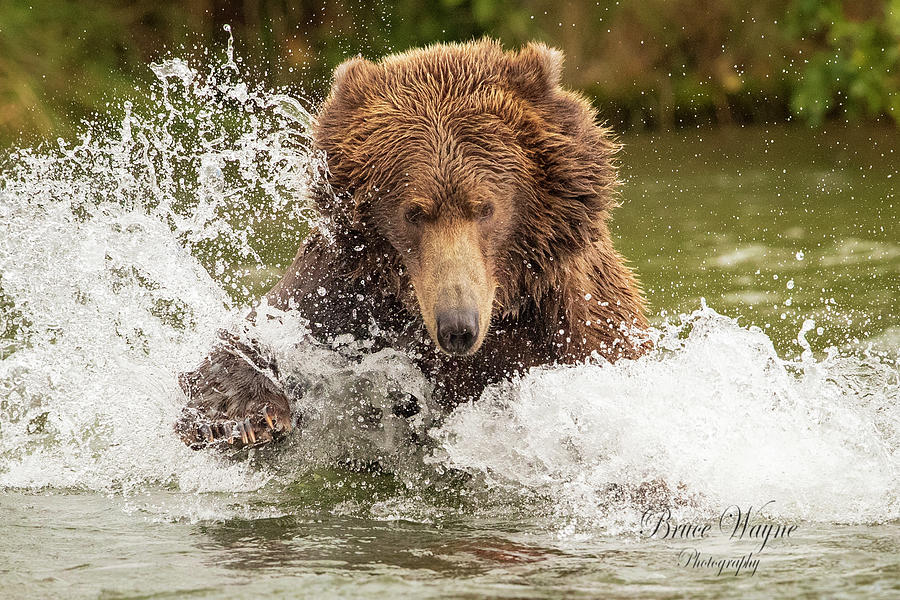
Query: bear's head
[(470, 175)]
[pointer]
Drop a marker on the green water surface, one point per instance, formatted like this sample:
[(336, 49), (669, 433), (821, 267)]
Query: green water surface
[(771, 224)]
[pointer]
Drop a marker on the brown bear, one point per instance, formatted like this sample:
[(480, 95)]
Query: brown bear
[(467, 197)]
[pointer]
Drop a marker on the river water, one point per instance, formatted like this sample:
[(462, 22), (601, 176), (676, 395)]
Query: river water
[(771, 260)]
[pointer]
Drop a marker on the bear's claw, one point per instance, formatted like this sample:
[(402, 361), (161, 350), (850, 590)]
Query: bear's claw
[(202, 432), (265, 412)]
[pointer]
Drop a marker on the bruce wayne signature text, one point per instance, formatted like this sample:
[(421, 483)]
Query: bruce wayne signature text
[(734, 522)]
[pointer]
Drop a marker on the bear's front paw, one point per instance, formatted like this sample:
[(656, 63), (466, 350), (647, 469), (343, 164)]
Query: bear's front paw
[(234, 400)]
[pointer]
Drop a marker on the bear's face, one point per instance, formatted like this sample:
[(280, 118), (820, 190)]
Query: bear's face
[(471, 167), (450, 224), (450, 216)]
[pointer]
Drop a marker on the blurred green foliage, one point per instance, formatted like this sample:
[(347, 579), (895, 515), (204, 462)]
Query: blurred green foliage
[(649, 63), (854, 62)]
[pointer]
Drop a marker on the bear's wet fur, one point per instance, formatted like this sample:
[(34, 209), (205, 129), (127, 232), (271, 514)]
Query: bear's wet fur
[(466, 204)]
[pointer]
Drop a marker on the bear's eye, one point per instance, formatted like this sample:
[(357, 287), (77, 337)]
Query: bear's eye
[(414, 215), (486, 211)]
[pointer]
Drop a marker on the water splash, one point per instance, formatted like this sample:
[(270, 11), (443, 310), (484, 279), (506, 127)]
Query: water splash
[(711, 418), (106, 250), (122, 254)]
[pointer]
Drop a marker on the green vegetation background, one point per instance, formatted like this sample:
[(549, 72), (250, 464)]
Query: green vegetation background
[(646, 63)]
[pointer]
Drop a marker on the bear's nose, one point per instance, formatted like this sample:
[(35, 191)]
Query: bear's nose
[(457, 330)]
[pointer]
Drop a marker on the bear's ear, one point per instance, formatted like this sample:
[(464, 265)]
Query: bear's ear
[(536, 69), (351, 78)]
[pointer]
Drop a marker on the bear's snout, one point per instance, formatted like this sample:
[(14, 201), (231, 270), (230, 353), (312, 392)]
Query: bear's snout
[(453, 282), (457, 330)]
